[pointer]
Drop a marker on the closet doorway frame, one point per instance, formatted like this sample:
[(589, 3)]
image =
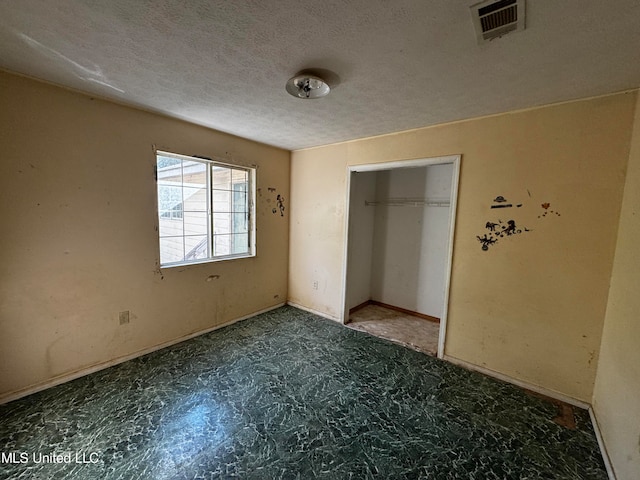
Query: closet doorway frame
[(392, 165)]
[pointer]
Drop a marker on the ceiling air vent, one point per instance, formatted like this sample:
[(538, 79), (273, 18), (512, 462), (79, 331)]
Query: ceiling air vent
[(493, 19)]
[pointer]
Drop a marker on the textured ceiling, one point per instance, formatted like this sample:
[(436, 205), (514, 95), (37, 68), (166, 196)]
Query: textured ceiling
[(401, 64)]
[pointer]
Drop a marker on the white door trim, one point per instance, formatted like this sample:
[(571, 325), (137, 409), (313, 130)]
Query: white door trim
[(421, 162)]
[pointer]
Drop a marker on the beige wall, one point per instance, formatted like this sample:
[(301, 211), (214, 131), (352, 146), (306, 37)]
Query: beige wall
[(616, 399), (79, 241), (532, 306), (316, 239)]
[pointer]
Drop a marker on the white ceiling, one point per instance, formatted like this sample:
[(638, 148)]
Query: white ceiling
[(402, 63)]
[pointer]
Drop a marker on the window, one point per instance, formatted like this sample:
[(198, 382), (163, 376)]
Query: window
[(205, 210)]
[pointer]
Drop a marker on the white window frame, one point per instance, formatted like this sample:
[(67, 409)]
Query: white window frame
[(251, 195)]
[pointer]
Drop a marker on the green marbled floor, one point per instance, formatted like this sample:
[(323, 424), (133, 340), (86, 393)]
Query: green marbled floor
[(290, 395)]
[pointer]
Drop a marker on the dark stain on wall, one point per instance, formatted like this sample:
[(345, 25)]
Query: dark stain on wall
[(279, 202), (496, 231), (546, 206), (157, 271), (499, 230)]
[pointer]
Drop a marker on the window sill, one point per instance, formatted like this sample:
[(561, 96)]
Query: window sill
[(207, 260)]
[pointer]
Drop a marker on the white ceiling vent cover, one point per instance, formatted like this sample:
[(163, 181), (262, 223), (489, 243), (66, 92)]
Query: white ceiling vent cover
[(495, 18)]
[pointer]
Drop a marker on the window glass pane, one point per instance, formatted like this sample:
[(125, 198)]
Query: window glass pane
[(221, 178), (239, 180), (195, 199), (194, 174), (169, 226), (221, 245), (240, 222), (195, 223), (203, 209), (172, 214), (169, 197), (165, 162), (169, 171), (239, 202), (221, 201), (221, 223), (240, 243), (175, 181), (171, 249), (196, 247)]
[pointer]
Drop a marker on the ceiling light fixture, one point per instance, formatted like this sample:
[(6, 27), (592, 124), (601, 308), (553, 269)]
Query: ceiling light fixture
[(307, 86)]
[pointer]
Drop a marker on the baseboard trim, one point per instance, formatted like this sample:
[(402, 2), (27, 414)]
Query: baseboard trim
[(315, 312), (67, 377), (603, 448), (424, 316), (528, 386), (359, 307)]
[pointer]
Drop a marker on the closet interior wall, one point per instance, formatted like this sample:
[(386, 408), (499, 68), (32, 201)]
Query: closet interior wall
[(398, 232)]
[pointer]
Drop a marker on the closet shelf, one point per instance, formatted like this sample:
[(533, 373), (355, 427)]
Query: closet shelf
[(409, 202)]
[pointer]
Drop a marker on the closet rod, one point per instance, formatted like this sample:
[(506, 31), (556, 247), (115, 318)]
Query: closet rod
[(410, 202)]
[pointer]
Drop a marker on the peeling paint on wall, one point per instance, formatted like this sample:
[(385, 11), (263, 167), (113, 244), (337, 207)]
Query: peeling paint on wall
[(157, 271), (279, 200), (546, 206), (499, 230)]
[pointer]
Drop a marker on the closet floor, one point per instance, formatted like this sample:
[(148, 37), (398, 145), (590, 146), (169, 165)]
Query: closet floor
[(413, 332)]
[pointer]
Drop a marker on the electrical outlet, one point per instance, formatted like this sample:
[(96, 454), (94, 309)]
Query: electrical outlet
[(124, 317), (315, 285)]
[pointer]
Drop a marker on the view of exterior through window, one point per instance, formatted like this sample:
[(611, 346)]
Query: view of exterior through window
[(204, 210)]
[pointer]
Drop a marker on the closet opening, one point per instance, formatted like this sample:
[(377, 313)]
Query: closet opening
[(400, 224)]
